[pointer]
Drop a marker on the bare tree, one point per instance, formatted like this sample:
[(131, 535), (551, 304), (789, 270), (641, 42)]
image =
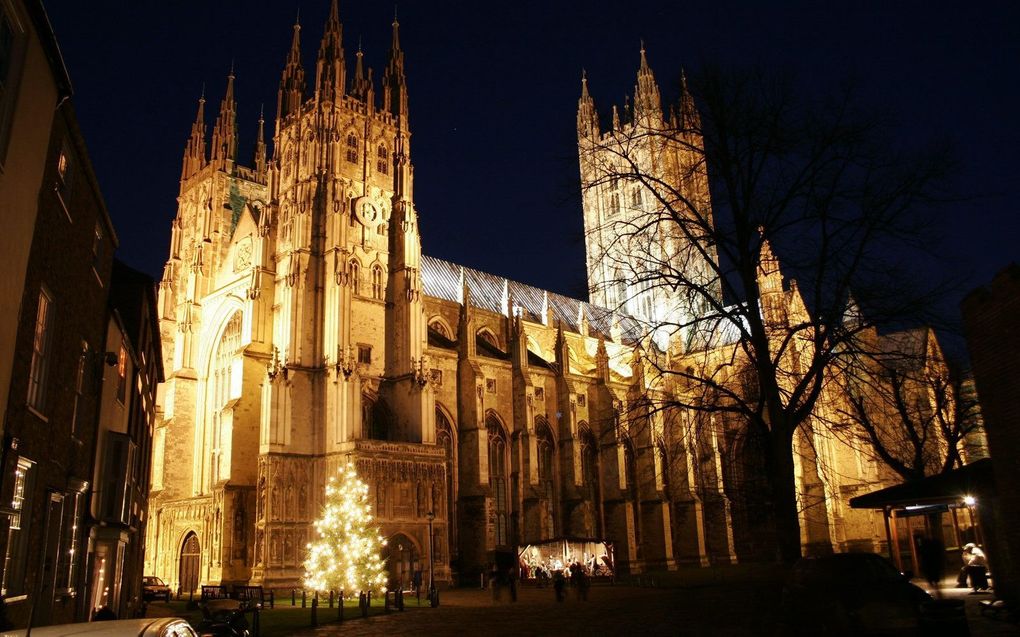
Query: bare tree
[(903, 404), (684, 211)]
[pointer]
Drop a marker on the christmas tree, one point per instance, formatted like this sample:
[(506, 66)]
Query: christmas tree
[(346, 556)]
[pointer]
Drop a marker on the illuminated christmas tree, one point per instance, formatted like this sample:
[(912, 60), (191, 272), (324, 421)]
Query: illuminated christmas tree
[(346, 556)]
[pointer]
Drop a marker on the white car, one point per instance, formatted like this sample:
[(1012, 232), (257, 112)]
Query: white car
[(144, 627)]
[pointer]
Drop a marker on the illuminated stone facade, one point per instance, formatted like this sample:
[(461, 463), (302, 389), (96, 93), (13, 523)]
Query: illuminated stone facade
[(302, 326)]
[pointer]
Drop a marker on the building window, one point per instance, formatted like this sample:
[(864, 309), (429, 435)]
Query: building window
[(497, 481), (41, 346), (17, 534), (546, 479), (582, 400), (355, 277), (352, 148), (377, 282), (365, 354), (79, 385), (540, 393), (635, 197), (71, 536), (614, 203), (98, 252), (490, 385), (382, 160), (122, 374)]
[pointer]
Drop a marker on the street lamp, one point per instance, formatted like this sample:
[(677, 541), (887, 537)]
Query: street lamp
[(433, 593)]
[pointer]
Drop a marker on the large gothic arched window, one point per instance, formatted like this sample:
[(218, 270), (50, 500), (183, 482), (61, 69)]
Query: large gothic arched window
[(382, 163), (498, 479), (590, 474), (547, 477), (377, 282), (223, 388), (445, 439)]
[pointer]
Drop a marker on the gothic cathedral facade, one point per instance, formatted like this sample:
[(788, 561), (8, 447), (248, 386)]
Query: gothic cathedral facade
[(302, 328)]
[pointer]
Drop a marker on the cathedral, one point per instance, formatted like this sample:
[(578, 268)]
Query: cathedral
[(302, 328)]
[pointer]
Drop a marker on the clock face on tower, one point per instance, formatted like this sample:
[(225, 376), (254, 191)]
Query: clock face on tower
[(366, 211)]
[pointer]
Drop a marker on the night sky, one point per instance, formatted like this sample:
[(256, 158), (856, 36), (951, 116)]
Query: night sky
[(493, 95)]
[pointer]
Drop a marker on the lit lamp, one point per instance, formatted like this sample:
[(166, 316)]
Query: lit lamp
[(969, 500), (433, 593)]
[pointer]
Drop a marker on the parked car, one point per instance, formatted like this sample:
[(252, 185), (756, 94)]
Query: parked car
[(145, 627), (854, 594), (154, 588)]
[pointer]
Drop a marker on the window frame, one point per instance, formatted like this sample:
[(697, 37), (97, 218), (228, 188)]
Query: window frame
[(38, 373)]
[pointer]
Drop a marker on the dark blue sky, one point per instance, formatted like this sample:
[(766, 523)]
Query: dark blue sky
[(493, 95)]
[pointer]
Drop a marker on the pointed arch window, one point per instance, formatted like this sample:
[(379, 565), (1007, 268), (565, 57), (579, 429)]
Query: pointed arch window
[(377, 282), (590, 474), (498, 480), (444, 438), (546, 477), (224, 387), (352, 148), (355, 271), (382, 159)]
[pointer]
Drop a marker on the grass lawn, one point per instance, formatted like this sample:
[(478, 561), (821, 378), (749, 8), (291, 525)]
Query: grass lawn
[(283, 619)]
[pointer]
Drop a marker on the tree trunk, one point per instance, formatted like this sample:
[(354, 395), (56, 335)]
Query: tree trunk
[(782, 481)]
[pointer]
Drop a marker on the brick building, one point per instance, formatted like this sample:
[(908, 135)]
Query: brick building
[(991, 316)]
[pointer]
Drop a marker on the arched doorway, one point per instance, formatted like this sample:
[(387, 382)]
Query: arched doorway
[(402, 560), (191, 560)]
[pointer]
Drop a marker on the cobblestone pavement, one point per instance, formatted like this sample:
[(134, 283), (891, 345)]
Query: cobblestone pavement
[(723, 611)]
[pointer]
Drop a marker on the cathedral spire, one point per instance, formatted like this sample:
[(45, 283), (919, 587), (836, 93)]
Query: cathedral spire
[(194, 150), (260, 146), (647, 102), (587, 118), (394, 82), (224, 138), (330, 69), (292, 84)]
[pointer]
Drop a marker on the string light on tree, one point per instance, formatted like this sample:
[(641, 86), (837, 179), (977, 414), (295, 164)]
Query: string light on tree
[(346, 556)]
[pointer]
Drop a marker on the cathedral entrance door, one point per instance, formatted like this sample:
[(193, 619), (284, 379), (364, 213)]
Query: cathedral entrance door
[(402, 558), (191, 559)]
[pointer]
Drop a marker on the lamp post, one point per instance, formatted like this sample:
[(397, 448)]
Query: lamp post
[(433, 593)]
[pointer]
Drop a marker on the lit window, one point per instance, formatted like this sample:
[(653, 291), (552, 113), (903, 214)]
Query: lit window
[(41, 347), (122, 374), (97, 250), (79, 384), (16, 557), (65, 170)]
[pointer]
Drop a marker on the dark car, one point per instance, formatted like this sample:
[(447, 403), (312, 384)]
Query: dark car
[(154, 588), (852, 594)]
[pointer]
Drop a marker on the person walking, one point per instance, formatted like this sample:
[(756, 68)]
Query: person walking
[(933, 563), (559, 584)]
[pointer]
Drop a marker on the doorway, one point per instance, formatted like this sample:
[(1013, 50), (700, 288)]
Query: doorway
[(191, 559), (402, 560)]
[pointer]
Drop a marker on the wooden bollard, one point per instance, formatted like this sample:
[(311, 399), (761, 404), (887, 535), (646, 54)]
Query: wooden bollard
[(304, 595), (293, 602), (340, 607)]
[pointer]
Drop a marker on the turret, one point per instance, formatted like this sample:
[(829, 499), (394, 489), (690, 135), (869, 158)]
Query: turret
[(292, 84), (647, 101), (224, 137), (330, 70), (770, 286), (587, 117), (260, 148), (194, 151), (690, 120), (394, 82), (361, 86)]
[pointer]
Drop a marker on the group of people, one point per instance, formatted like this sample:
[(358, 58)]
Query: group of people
[(545, 570)]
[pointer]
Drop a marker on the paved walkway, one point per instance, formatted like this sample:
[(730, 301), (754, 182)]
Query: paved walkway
[(724, 611)]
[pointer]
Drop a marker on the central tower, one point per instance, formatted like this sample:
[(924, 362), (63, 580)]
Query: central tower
[(641, 180)]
